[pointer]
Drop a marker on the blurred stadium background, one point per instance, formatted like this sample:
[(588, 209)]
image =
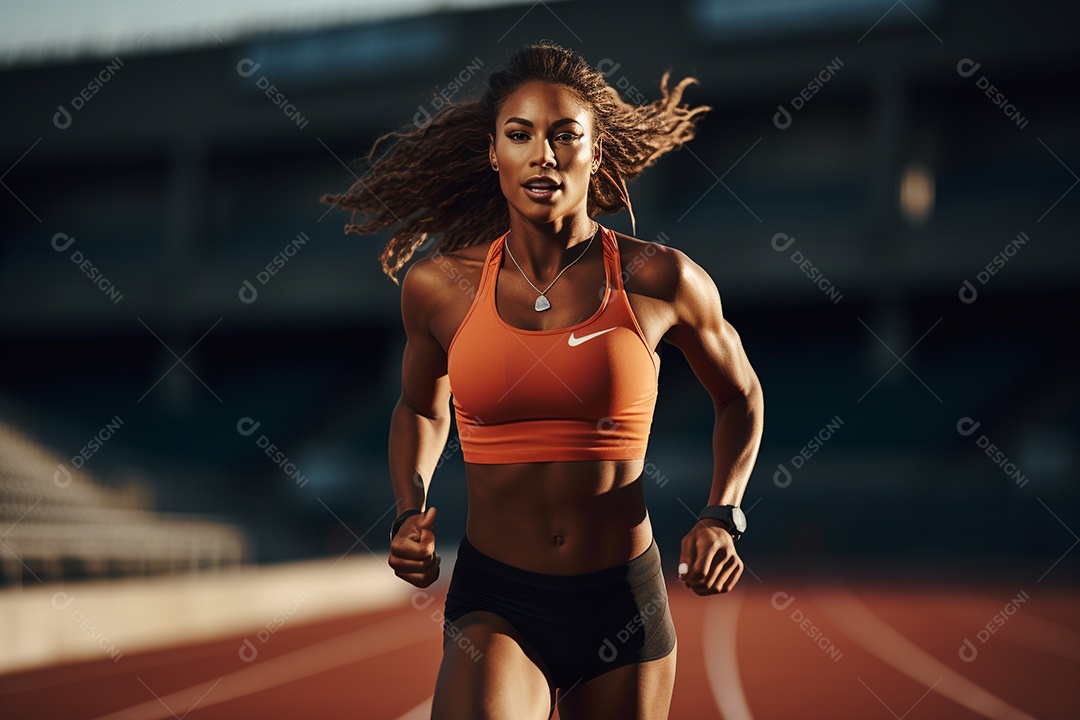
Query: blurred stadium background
[(199, 365)]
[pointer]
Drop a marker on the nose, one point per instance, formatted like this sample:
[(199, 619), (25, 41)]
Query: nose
[(544, 153)]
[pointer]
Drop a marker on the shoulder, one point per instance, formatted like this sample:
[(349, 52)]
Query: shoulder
[(438, 289), (663, 272), (429, 280)]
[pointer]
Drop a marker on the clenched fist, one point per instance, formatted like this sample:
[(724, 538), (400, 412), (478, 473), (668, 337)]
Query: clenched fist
[(412, 551), (708, 561)]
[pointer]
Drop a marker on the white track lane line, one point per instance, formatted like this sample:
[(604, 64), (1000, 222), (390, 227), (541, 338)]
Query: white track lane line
[(721, 659), (847, 613), (307, 661), (420, 712)]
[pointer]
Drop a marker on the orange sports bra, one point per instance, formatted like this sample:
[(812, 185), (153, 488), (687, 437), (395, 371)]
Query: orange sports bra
[(585, 392)]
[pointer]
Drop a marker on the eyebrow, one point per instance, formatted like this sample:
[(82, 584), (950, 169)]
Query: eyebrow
[(529, 123)]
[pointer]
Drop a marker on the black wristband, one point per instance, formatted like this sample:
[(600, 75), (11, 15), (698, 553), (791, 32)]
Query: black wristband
[(401, 520), (731, 516)]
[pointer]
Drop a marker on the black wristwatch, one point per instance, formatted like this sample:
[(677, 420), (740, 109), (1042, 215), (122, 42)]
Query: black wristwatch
[(401, 520), (731, 516)]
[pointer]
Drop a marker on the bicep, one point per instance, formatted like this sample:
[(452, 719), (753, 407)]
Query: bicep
[(425, 386), (709, 342)]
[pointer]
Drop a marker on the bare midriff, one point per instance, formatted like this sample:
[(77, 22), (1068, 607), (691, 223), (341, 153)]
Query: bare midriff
[(559, 518)]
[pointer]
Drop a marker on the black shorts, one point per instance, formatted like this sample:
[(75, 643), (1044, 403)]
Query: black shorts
[(582, 625)]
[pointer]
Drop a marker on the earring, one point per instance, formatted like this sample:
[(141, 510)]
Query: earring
[(495, 167)]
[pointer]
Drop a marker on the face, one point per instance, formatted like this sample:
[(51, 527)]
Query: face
[(546, 152)]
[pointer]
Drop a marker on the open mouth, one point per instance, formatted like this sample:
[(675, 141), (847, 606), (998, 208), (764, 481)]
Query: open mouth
[(541, 188)]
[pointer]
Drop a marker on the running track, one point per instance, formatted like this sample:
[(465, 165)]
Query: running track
[(794, 651)]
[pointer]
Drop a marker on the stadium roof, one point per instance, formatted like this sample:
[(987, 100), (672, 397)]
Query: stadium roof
[(63, 30)]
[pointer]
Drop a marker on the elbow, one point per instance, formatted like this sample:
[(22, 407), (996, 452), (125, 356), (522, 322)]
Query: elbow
[(755, 396), (756, 393), (749, 395), (434, 415), (758, 402)]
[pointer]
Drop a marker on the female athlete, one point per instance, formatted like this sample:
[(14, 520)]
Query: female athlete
[(539, 327)]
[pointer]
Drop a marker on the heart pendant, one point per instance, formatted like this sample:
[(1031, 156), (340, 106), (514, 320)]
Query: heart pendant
[(542, 304)]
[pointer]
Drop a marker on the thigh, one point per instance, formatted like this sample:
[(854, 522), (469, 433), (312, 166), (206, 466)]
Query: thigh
[(489, 671), (640, 691)]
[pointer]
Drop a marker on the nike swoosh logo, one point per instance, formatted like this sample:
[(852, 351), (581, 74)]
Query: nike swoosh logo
[(575, 341)]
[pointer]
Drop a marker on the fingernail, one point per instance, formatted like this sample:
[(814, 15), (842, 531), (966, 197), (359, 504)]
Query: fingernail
[(683, 568)]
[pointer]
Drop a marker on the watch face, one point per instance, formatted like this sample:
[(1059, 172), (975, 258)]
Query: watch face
[(739, 518)]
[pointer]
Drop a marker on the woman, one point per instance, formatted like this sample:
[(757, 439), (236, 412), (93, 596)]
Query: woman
[(541, 327)]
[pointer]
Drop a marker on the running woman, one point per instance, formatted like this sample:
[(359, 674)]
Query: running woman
[(538, 328)]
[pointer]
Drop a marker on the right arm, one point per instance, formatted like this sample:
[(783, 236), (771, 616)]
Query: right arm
[(419, 426)]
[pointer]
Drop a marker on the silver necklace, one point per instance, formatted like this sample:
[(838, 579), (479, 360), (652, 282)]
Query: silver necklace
[(542, 303)]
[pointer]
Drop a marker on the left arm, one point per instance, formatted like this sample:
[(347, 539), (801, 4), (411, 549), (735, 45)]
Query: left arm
[(715, 354)]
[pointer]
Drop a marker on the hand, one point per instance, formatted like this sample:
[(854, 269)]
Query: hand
[(711, 564), (412, 551)]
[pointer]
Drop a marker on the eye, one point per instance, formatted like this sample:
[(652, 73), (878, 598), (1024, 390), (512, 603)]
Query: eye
[(517, 136), (567, 137)]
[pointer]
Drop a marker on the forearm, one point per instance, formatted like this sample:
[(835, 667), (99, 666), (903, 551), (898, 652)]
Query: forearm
[(736, 439), (416, 441)]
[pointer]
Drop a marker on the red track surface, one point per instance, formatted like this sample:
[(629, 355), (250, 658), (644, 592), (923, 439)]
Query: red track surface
[(803, 651)]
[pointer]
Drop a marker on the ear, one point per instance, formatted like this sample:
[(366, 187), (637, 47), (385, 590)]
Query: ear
[(598, 155), (491, 151)]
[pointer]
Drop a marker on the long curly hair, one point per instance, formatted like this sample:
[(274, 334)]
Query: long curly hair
[(435, 180)]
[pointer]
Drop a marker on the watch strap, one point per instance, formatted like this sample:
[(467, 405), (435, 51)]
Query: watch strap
[(731, 516), (401, 521)]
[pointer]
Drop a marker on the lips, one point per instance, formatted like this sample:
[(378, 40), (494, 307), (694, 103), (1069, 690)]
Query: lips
[(541, 187)]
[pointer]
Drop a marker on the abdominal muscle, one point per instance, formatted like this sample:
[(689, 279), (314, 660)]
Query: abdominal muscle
[(559, 518)]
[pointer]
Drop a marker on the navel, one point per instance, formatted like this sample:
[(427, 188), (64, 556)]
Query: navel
[(558, 539)]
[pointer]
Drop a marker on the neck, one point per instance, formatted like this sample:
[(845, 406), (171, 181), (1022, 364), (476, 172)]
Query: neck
[(543, 249)]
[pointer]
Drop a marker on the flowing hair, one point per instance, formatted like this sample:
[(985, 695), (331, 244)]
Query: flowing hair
[(434, 178)]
